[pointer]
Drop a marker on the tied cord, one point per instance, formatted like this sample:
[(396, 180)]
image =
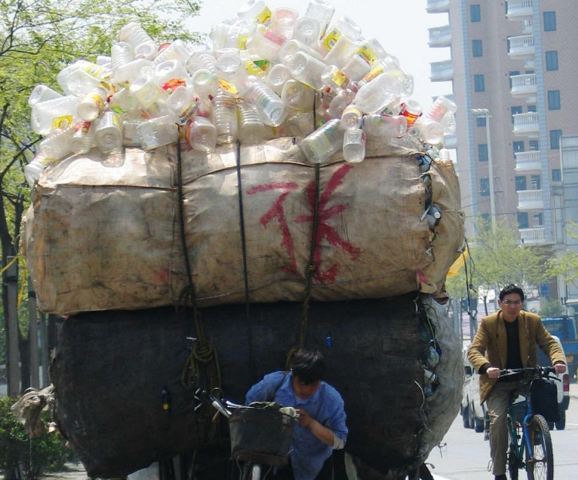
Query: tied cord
[(245, 269), (203, 353), (310, 269)]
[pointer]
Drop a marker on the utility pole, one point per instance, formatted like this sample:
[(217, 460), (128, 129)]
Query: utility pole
[(33, 337)]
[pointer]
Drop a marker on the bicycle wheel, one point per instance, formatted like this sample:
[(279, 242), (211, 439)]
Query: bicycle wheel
[(513, 464), (540, 464)]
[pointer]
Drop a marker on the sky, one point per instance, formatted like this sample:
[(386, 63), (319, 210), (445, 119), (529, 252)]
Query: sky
[(401, 26)]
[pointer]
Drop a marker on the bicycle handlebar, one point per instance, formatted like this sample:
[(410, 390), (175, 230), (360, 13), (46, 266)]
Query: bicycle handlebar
[(538, 371)]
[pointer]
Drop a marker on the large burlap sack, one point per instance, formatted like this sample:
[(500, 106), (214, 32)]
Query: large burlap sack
[(109, 390), (104, 233)]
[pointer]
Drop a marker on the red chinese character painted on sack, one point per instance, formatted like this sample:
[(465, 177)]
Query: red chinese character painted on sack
[(277, 212), (324, 230)]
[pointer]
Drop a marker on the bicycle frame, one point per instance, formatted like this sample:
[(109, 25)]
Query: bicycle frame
[(519, 446)]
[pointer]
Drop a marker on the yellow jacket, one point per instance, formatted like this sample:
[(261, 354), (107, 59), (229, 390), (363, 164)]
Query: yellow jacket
[(490, 345)]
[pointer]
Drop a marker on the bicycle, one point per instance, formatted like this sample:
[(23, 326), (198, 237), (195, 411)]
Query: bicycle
[(260, 437), (534, 441)]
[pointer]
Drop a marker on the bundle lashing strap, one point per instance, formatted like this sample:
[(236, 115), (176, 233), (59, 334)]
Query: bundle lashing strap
[(310, 269), (248, 318), (202, 366)]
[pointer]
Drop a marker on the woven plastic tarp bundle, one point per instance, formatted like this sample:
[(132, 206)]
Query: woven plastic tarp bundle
[(103, 233)]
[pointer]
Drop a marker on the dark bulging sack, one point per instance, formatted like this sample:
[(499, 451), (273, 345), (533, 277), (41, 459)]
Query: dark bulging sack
[(544, 397)]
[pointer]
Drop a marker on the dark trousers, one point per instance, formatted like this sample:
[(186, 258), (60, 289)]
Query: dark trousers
[(333, 469)]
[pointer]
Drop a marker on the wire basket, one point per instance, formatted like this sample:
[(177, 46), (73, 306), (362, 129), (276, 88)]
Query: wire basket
[(261, 435)]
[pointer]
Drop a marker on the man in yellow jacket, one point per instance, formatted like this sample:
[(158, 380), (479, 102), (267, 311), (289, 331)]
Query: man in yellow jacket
[(507, 339)]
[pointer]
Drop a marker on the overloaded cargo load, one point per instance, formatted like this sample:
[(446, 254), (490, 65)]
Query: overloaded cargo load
[(103, 232), (400, 377)]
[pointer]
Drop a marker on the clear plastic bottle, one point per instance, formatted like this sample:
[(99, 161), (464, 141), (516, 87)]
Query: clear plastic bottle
[(342, 27), (356, 68), (108, 132), (307, 31), (322, 11), (34, 169), (171, 72), (82, 139), (254, 10), (372, 51), (266, 43), (335, 79), (341, 52), (440, 107), (157, 132), (147, 91), (351, 117), (58, 113), (205, 83), (92, 104), (277, 77), (385, 127), (225, 117), (130, 71), (182, 102), (298, 96), (429, 126), (320, 145), (411, 110), (224, 35), (177, 50), (271, 108), (142, 44), (81, 77), (57, 146), (201, 60), (121, 53), (308, 70), (383, 90), (123, 102), (283, 21), (339, 103), (130, 126), (201, 134), (42, 93), (354, 145), (229, 65), (251, 128), (290, 48)]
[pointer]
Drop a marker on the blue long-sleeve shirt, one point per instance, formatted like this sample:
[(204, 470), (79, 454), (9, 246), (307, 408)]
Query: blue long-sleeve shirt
[(308, 453)]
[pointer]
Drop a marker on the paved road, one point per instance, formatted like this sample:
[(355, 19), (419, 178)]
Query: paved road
[(465, 454)]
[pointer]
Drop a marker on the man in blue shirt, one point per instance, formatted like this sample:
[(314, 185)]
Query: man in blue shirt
[(321, 427)]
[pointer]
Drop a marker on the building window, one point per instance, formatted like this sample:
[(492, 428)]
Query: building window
[(523, 220), (515, 110), (480, 121), (549, 21), (531, 108), (475, 13), (553, 99), (533, 145), (535, 182), (485, 187), (556, 175), (555, 139), (538, 219), (521, 183), (552, 60), (513, 73), (477, 48), (518, 147), (479, 83), (483, 152)]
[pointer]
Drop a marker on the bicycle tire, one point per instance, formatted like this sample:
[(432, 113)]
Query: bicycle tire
[(513, 464), (541, 465)]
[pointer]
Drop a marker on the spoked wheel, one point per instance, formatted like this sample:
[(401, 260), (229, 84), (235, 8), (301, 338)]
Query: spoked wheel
[(541, 464), (513, 464)]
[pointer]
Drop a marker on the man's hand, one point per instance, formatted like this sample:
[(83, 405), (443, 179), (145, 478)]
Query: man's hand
[(560, 368), (305, 420), (493, 372)]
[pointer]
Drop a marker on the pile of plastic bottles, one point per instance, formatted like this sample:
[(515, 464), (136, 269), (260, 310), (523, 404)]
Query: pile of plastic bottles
[(266, 74)]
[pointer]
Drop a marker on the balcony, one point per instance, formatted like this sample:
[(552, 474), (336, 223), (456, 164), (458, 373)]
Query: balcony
[(528, 161), (521, 46), (533, 236), (526, 123), (442, 71), (438, 6), (530, 200), (518, 9), (523, 84), (440, 37)]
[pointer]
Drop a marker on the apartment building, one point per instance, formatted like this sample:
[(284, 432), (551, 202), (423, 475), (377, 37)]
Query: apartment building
[(512, 68)]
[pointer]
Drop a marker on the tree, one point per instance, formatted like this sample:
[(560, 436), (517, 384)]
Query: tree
[(498, 259), (37, 39), (566, 264)]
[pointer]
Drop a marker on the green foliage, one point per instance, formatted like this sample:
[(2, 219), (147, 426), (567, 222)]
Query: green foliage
[(551, 308), (42, 454), (498, 259), (566, 264)]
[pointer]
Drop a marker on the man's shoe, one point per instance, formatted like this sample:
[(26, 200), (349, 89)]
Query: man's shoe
[(500, 477)]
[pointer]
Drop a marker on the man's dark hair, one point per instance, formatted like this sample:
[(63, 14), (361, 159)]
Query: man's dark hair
[(308, 365), (511, 289)]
